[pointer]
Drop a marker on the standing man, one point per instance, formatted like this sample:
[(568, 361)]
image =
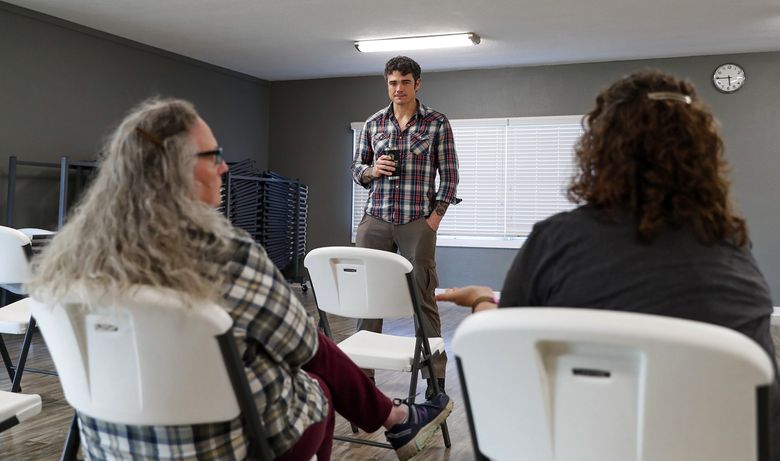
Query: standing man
[(399, 152)]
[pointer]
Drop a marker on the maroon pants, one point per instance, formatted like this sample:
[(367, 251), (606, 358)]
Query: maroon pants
[(349, 392)]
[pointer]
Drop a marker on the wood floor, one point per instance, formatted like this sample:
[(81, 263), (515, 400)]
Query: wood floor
[(41, 438)]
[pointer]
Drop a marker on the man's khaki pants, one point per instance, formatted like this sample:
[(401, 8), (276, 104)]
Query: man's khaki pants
[(415, 241)]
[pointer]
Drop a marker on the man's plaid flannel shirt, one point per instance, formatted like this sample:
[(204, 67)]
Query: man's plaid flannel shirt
[(426, 145)]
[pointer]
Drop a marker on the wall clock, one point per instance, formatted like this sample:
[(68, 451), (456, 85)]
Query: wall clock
[(728, 77)]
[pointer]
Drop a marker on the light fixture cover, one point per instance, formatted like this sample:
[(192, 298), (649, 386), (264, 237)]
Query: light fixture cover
[(418, 43)]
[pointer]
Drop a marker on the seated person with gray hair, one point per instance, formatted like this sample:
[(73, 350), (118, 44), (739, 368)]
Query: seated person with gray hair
[(150, 217)]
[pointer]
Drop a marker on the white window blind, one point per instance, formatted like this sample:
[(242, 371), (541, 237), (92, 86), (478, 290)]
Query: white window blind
[(540, 158), (359, 194), (481, 148), (513, 173)]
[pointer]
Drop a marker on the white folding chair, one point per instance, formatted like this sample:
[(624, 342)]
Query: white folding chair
[(374, 284), (17, 247), (556, 384), (148, 359), (16, 407)]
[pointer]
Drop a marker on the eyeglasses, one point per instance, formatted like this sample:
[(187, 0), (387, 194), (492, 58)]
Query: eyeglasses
[(219, 159)]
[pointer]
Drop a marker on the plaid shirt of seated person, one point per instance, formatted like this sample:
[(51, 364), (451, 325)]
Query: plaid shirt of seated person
[(264, 309)]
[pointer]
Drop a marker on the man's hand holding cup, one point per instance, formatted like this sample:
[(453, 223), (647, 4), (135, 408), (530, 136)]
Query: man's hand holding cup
[(386, 165)]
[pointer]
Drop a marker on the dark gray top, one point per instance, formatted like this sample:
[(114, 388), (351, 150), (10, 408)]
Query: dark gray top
[(578, 259)]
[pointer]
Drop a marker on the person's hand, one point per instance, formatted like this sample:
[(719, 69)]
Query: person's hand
[(384, 166), (466, 296), (433, 221)]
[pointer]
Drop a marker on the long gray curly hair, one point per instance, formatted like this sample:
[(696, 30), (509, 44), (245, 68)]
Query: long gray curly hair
[(140, 222)]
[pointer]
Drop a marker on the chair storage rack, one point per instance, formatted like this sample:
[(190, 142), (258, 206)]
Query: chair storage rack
[(65, 165), (272, 209)]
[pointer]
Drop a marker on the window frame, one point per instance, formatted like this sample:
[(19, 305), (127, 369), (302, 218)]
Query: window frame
[(472, 241)]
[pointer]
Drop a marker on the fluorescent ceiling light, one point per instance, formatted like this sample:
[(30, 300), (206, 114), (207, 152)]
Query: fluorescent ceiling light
[(417, 43)]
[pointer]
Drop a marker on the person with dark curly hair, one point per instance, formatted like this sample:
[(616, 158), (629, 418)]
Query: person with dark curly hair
[(655, 231)]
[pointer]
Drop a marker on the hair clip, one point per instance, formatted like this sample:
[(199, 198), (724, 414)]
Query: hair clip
[(150, 137), (666, 95)]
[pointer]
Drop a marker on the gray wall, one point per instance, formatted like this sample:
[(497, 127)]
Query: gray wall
[(63, 87), (310, 138)]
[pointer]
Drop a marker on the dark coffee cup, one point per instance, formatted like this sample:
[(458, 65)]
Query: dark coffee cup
[(395, 156)]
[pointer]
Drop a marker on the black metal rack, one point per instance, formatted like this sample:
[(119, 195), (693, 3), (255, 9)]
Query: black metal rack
[(65, 165), (273, 210)]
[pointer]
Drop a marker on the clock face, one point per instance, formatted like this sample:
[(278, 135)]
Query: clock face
[(728, 78)]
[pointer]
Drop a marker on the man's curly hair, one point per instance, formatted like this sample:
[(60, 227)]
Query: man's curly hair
[(660, 159), (405, 65)]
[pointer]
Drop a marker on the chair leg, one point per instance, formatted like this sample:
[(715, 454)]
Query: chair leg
[(9, 365), (3, 350), (445, 433), (324, 324), (416, 370), (71, 449), (428, 363), (413, 383), (17, 384)]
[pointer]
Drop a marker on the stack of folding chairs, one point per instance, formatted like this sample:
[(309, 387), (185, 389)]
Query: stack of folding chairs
[(272, 208)]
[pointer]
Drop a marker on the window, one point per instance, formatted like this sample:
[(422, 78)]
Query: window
[(513, 173)]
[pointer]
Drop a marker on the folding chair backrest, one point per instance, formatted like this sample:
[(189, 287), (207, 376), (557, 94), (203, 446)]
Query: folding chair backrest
[(579, 384), (144, 359), (361, 282), (14, 265)]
